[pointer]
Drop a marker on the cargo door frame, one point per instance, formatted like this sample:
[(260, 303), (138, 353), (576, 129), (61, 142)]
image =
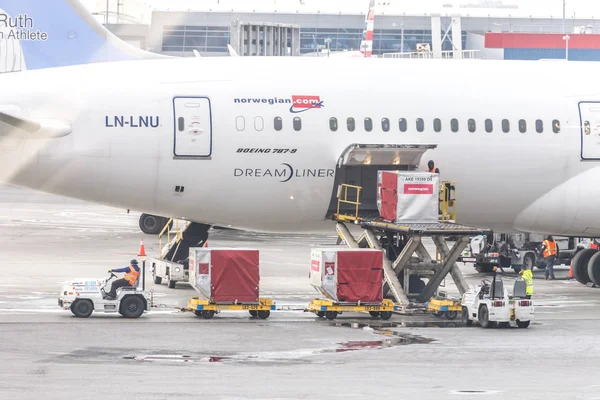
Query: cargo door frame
[(365, 160), (588, 130), (201, 155)]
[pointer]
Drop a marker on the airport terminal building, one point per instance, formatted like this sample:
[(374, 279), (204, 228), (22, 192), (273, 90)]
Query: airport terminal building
[(180, 27)]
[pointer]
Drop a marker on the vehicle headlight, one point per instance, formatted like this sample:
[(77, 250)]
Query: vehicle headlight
[(177, 269)]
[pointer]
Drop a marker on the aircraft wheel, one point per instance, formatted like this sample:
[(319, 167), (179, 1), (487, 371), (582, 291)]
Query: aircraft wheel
[(484, 317), (82, 308), (580, 265), (151, 224), (593, 268)]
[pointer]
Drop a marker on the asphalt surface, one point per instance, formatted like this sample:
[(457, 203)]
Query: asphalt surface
[(47, 353)]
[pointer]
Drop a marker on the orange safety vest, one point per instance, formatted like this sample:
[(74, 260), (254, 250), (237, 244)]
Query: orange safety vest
[(550, 249), (131, 276)]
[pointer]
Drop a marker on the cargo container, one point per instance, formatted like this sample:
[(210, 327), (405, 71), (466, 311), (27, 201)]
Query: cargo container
[(408, 196), (225, 276), (348, 275)]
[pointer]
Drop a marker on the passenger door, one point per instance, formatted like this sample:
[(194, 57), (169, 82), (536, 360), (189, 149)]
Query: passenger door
[(193, 127), (590, 130)]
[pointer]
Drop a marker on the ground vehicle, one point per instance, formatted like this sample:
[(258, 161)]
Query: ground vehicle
[(485, 251), (172, 272), (84, 296), (490, 305)]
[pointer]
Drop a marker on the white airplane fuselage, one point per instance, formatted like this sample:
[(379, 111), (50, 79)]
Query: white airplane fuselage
[(125, 116)]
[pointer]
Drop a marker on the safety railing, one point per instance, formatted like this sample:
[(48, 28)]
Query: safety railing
[(171, 230), (342, 197), (447, 201)]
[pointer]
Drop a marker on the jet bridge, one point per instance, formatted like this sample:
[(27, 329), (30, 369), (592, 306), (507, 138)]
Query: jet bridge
[(407, 260)]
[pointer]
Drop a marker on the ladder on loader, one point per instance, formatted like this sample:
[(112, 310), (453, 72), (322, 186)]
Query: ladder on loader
[(406, 254)]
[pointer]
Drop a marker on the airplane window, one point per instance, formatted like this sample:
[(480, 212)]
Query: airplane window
[(489, 125), (454, 125), (368, 124), (240, 123), (403, 124), (350, 124), (297, 123), (586, 127), (259, 123), (420, 124), (333, 124), (181, 123), (505, 126), (471, 125), (539, 126), (556, 126), (522, 126), (278, 123), (385, 124), (437, 125)]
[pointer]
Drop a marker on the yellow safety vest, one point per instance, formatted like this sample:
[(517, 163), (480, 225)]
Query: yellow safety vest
[(131, 276), (528, 278)]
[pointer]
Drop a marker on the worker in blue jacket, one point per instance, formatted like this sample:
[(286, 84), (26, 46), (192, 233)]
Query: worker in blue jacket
[(132, 273)]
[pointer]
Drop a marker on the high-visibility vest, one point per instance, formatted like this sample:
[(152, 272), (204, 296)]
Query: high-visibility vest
[(550, 249), (528, 278), (131, 276)]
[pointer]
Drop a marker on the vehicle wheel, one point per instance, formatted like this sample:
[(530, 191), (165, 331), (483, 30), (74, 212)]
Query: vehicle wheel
[(264, 314), (82, 308), (132, 307), (151, 224), (523, 324), (451, 314), (254, 313), (157, 279), (580, 265), (385, 315), (171, 283), (465, 317), (320, 314), (438, 313), (593, 269), (516, 269), (331, 315), (528, 261), (374, 314), (198, 313), (484, 317), (208, 314)]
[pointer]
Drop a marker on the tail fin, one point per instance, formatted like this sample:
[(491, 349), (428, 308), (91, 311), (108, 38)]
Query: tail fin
[(366, 46), (37, 34)]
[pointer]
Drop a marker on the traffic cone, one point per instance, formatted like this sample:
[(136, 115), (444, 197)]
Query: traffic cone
[(206, 244), (142, 252), (571, 272)]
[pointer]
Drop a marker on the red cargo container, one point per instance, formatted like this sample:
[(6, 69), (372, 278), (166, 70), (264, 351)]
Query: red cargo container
[(225, 275), (348, 275)]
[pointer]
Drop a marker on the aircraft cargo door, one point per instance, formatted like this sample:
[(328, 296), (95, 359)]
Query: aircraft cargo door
[(590, 130), (193, 127)]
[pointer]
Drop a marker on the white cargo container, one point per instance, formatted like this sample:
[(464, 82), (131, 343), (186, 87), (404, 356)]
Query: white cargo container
[(348, 275), (408, 196)]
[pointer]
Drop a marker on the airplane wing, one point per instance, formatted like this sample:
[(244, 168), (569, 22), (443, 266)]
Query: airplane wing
[(12, 125)]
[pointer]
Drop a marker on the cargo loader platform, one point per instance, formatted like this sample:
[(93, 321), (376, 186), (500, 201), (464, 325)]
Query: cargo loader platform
[(330, 309), (407, 259), (205, 309)]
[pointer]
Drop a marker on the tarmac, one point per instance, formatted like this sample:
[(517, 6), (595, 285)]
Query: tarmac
[(46, 353)]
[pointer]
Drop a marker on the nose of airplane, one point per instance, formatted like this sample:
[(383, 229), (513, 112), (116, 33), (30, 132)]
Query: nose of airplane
[(568, 209)]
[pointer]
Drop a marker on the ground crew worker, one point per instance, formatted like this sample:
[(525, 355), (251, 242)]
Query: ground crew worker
[(432, 167), (132, 273), (527, 276), (549, 252)]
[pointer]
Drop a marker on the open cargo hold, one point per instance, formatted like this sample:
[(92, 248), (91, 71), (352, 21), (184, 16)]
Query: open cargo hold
[(348, 275), (224, 275), (408, 196)]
